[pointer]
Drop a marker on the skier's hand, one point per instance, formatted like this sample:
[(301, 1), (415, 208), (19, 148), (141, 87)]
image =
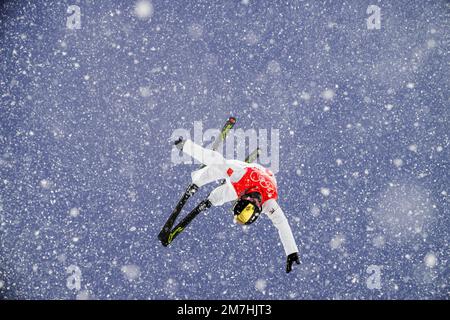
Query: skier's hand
[(290, 261), (179, 143)]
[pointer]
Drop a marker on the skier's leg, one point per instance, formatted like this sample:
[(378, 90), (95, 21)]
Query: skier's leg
[(222, 194), (208, 174), (205, 156)]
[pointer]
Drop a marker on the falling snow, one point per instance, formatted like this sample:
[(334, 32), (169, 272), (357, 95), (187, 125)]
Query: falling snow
[(325, 191), (87, 116), (430, 260), (74, 212), (143, 9), (131, 271), (261, 285)]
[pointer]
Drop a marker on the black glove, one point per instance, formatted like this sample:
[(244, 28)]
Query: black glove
[(290, 260), (179, 143)]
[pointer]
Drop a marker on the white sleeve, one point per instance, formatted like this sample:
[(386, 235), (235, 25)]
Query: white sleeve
[(279, 220)]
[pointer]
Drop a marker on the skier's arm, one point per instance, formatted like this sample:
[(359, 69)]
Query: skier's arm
[(279, 220)]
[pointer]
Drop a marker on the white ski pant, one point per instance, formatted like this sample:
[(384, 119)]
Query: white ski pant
[(216, 167)]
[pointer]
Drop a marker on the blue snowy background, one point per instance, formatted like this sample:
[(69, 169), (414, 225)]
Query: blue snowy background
[(85, 154)]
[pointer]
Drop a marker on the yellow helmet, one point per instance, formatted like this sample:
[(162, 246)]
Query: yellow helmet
[(247, 208)]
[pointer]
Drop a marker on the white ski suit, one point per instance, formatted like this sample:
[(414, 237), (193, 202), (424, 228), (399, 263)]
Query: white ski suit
[(216, 168)]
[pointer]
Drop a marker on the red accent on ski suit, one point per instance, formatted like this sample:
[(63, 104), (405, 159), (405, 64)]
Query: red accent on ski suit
[(256, 179)]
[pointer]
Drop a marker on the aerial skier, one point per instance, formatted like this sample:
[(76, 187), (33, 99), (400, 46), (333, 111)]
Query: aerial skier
[(252, 187)]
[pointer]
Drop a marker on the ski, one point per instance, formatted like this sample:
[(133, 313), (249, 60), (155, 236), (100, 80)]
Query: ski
[(165, 234), (223, 134), (253, 156), (202, 206)]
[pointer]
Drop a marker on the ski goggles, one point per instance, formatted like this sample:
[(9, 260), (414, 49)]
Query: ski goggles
[(245, 213)]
